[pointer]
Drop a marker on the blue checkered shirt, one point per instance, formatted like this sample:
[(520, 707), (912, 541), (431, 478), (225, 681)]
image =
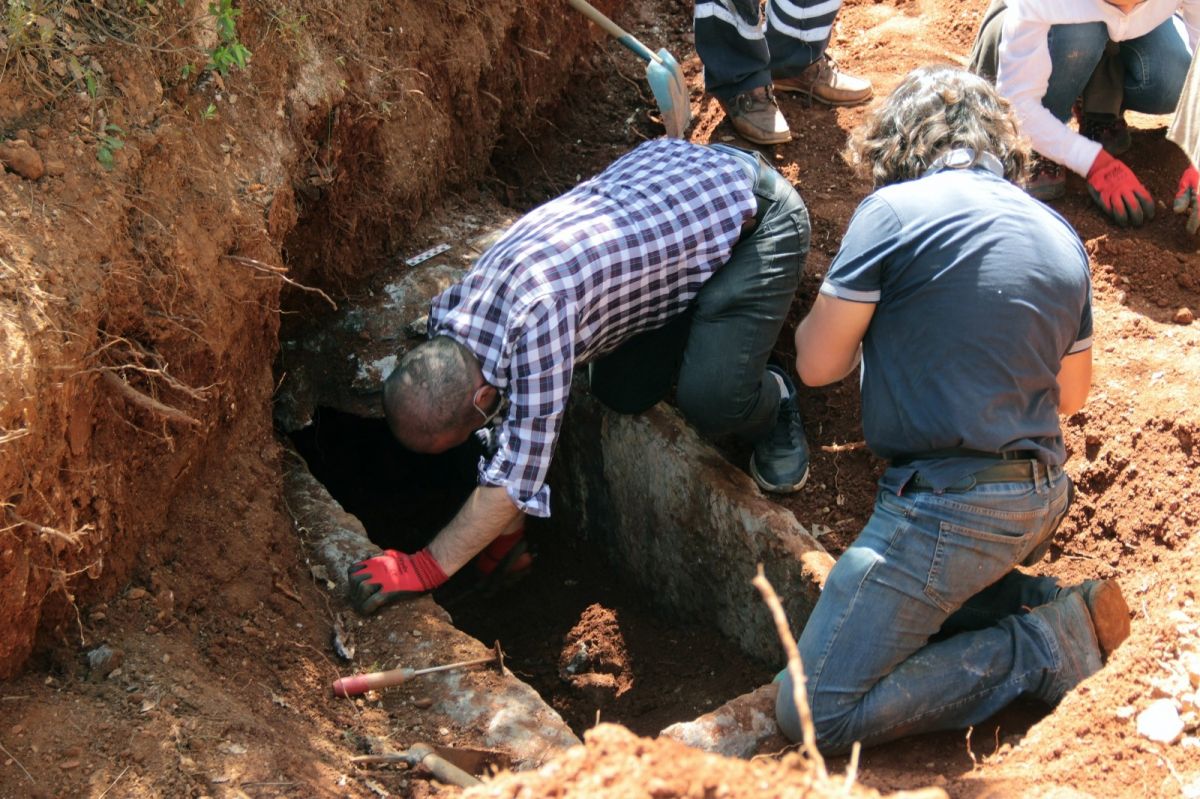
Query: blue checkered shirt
[(617, 255)]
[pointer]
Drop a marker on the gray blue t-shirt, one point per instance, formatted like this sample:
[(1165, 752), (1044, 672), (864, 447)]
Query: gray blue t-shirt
[(980, 292)]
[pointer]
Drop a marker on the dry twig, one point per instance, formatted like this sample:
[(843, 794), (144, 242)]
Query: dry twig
[(847, 447), (114, 783), (795, 670), (19, 764), (852, 767)]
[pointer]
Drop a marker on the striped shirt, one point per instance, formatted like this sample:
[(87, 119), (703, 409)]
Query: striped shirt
[(617, 255)]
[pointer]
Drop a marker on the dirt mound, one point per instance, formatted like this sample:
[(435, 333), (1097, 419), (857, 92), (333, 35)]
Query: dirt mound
[(615, 762)]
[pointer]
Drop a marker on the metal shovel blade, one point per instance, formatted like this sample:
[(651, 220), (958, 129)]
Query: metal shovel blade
[(670, 92), (662, 71)]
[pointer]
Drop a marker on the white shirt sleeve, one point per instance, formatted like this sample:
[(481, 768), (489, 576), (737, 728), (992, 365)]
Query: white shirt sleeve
[(1023, 78)]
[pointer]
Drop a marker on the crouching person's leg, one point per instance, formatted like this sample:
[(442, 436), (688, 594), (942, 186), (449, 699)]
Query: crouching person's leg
[(639, 373), (725, 386), (872, 675)]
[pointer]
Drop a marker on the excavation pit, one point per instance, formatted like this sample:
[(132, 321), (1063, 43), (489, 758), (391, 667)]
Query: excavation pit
[(589, 640)]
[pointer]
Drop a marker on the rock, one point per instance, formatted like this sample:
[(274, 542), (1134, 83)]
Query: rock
[(1191, 664), (103, 660), (20, 157), (55, 167), (137, 593), (1184, 316), (1160, 722)]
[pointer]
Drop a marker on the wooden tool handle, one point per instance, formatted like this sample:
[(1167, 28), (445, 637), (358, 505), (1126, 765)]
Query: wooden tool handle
[(615, 30), (361, 683)]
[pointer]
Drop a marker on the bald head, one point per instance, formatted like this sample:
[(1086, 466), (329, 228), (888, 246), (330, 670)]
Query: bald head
[(427, 398)]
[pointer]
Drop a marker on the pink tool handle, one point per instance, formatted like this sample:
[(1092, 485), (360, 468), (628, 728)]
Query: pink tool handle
[(361, 683)]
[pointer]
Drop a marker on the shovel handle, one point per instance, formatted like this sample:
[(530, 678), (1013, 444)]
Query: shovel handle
[(614, 30)]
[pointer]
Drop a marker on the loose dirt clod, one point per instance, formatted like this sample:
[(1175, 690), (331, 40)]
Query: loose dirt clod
[(20, 157)]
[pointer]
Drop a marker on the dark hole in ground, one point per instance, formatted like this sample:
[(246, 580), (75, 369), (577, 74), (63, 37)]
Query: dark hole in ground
[(585, 638)]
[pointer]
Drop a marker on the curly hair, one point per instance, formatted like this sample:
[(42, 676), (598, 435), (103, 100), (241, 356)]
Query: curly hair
[(936, 109)]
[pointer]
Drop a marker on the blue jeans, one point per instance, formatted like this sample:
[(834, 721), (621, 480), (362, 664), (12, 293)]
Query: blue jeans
[(1155, 66), (924, 624), (717, 352)]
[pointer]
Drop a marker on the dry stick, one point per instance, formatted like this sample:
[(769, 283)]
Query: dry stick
[(279, 272), (852, 768), (18, 762), (853, 445), (795, 670), (149, 403), (114, 782)]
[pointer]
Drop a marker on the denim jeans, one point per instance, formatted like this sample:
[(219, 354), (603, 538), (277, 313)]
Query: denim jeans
[(1155, 66), (718, 350), (925, 624), (736, 61)]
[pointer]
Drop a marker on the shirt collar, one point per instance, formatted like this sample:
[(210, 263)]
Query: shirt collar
[(965, 158)]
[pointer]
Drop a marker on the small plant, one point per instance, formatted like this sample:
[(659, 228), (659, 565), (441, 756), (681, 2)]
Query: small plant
[(209, 112), (110, 141), (230, 53), (290, 24)]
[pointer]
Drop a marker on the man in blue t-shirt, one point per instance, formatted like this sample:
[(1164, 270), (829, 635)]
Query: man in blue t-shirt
[(968, 304)]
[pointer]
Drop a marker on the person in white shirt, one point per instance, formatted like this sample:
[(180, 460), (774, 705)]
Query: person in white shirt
[(1185, 131), (1047, 53)]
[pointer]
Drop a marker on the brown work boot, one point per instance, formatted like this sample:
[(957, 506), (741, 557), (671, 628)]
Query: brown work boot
[(1106, 606), (756, 116), (822, 80)]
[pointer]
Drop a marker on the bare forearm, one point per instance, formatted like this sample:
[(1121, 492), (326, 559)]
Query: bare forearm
[(487, 513)]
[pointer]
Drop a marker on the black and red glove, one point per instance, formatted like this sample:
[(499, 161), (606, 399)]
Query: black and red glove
[(1187, 198), (376, 581), (1117, 190)]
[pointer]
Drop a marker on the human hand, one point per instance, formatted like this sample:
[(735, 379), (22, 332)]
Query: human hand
[(1187, 198), (1117, 190), (393, 575)]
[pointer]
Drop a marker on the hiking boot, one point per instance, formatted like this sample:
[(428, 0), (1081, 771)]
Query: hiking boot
[(756, 116), (1109, 130), (1047, 180), (779, 463), (823, 81), (1106, 605)]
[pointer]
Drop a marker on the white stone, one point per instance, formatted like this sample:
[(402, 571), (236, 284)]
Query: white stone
[(1160, 722)]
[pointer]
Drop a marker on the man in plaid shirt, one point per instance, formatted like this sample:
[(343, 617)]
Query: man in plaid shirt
[(677, 264)]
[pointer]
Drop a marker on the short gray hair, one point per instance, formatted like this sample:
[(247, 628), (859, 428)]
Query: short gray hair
[(936, 109), (429, 391)]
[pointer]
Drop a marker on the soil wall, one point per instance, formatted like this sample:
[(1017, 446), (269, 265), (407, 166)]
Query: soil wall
[(158, 213)]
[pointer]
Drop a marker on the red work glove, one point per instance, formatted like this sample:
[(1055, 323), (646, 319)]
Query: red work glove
[(1117, 190), (376, 581), (1187, 199), (509, 553)]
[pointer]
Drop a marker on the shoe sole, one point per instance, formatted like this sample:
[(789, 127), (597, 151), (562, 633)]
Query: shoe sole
[(1110, 616), (819, 99), (776, 489), (1056, 193), (783, 138)]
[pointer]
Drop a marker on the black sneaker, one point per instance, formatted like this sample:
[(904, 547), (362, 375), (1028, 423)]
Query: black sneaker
[(1047, 180), (1109, 130), (780, 461)]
